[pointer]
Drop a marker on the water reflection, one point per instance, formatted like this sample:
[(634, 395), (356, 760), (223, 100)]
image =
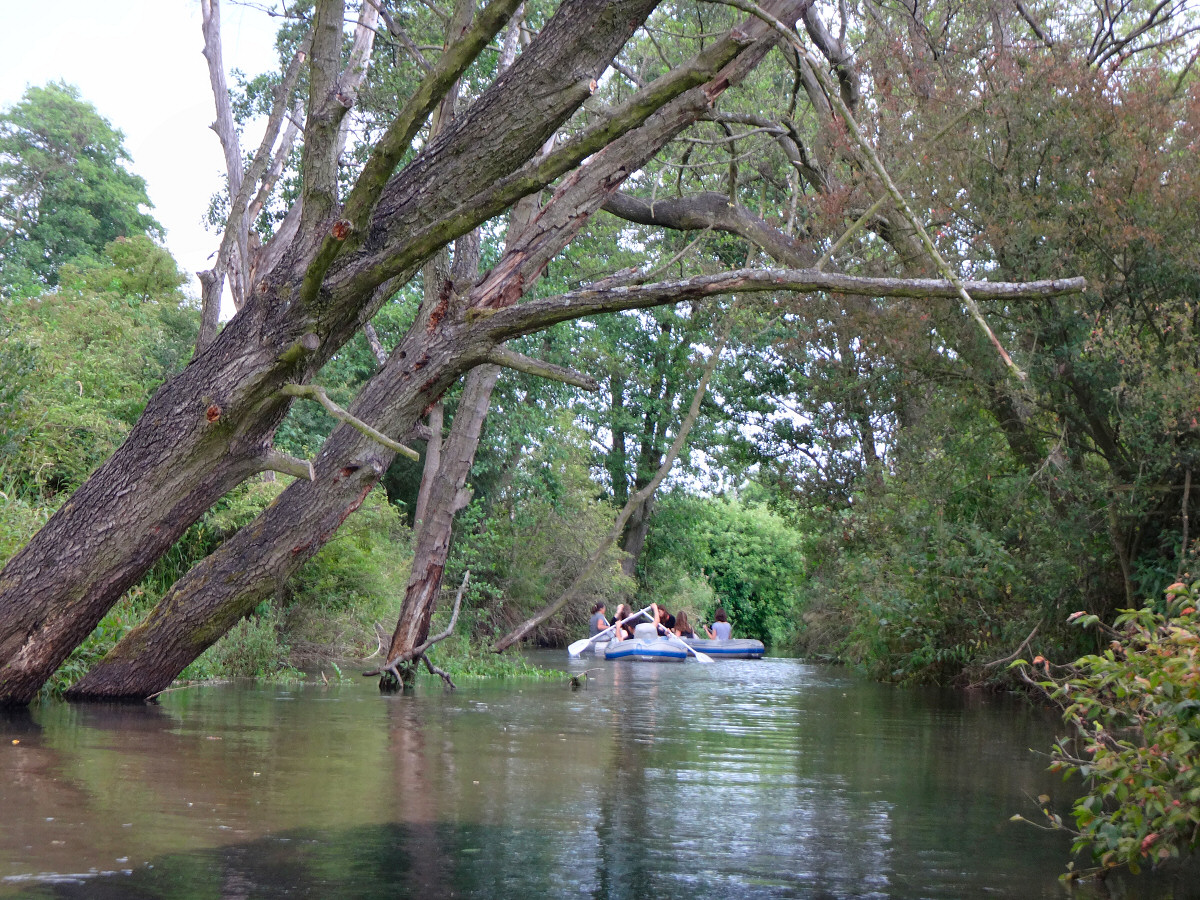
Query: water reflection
[(739, 779)]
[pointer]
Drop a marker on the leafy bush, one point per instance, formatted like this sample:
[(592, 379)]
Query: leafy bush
[(703, 553), (1134, 710), (331, 605), (254, 648)]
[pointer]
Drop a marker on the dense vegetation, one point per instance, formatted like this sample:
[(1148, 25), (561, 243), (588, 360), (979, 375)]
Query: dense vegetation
[(866, 480), (870, 487)]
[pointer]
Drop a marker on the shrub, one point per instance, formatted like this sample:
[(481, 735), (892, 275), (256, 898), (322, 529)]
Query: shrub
[(1133, 710)]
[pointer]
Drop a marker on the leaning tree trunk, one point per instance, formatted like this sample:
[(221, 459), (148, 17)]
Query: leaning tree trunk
[(447, 496), (448, 340), (131, 669), (210, 427)]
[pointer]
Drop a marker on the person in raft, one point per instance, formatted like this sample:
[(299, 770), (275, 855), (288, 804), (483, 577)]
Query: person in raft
[(622, 632), (682, 628), (721, 629), (663, 619), (597, 623)]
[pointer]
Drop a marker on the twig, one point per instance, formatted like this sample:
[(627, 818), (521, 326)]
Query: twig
[(380, 634), (183, 687)]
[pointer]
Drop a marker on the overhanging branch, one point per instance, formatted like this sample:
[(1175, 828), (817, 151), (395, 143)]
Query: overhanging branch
[(536, 314)]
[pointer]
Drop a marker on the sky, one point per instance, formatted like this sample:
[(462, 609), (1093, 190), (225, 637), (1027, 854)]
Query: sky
[(139, 63)]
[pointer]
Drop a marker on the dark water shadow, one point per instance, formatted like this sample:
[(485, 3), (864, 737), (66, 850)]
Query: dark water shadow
[(17, 723), (428, 861)]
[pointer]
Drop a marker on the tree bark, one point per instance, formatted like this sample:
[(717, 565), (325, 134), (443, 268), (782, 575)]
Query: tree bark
[(446, 341), (445, 499), (210, 427)]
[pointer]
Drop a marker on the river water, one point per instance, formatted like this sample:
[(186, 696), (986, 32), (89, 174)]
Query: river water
[(770, 778)]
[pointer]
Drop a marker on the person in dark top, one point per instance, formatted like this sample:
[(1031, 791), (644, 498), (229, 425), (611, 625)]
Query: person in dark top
[(682, 628), (597, 623)]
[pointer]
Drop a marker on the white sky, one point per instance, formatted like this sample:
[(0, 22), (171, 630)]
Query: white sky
[(139, 63)]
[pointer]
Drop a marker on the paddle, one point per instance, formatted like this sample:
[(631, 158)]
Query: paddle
[(579, 646), (700, 657)]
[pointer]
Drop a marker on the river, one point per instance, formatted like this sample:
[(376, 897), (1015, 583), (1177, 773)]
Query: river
[(739, 779)]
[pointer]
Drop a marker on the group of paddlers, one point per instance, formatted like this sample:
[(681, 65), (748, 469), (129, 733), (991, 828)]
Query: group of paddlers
[(664, 623)]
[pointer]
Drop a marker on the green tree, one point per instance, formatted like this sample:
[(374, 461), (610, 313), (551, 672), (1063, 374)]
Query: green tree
[(65, 190), (89, 356), (733, 553)]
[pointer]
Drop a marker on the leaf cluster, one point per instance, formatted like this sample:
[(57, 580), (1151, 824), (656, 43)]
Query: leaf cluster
[(1134, 713)]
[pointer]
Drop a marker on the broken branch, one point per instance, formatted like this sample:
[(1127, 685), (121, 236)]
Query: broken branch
[(510, 359), (315, 392)]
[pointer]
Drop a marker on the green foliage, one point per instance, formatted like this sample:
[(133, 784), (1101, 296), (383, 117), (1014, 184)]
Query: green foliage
[(87, 358), (115, 625), (465, 656), (1134, 712), (526, 546), (704, 553), (65, 191), (331, 606), (254, 648), (949, 561)]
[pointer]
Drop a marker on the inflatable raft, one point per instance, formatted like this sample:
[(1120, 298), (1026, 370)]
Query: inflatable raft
[(735, 648), (647, 645)]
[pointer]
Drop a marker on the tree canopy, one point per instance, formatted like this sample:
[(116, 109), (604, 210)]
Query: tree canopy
[(65, 187)]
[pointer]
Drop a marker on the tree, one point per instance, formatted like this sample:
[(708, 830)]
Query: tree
[(65, 189), (211, 427)]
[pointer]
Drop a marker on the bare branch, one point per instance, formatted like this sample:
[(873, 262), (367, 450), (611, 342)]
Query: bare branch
[(275, 461), (235, 238), (1020, 648), (712, 210), (1043, 36), (375, 344), (317, 393), (510, 359), (505, 324)]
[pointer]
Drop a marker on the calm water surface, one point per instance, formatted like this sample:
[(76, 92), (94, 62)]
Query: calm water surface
[(772, 778)]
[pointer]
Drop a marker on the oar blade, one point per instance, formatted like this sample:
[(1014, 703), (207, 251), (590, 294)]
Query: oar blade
[(578, 647)]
